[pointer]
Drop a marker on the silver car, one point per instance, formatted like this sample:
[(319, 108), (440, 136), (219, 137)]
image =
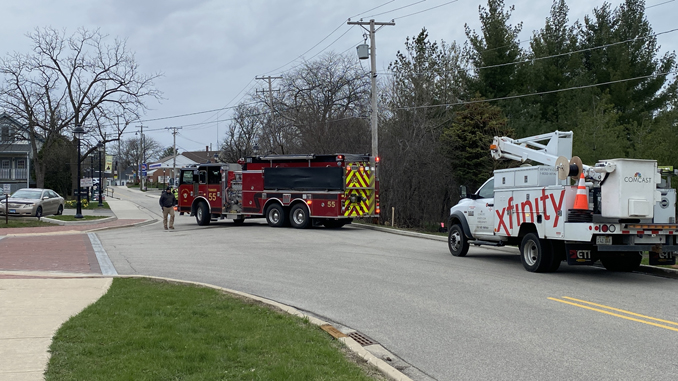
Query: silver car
[(33, 202)]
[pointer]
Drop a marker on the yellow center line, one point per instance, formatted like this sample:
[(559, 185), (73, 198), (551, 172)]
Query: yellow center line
[(616, 315), (622, 311)]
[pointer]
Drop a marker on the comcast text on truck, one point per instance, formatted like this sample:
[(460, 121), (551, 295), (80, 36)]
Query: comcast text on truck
[(617, 209), (296, 190)]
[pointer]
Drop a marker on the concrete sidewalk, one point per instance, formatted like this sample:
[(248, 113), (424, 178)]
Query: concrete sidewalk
[(47, 275), (32, 311)]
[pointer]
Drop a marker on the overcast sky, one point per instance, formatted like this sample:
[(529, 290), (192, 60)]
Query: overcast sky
[(210, 51)]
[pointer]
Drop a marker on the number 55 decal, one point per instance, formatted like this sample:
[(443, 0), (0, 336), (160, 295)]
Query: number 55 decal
[(212, 196)]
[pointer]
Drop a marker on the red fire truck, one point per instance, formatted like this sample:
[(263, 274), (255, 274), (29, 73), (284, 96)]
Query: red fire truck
[(296, 190)]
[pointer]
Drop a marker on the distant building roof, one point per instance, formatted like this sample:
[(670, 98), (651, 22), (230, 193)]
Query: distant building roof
[(201, 157)]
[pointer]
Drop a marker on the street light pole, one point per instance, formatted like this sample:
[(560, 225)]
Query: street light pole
[(100, 148), (78, 132)]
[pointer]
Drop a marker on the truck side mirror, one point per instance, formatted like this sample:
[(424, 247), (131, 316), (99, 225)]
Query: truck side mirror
[(462, 191)]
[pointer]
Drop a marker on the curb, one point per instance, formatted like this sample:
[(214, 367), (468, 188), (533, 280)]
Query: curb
[(652, 270), (83, 222), (401, 232), (351, 344), (659, 271), (138, 224)]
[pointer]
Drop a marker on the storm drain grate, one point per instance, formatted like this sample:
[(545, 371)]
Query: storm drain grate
[(360, 339)]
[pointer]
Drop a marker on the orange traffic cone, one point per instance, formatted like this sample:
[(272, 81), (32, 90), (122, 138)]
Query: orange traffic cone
[(581, 201)]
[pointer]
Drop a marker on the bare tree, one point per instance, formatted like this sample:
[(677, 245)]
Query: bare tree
[(325, 102), (415, 177), (132, 152), (67, 81), (243, 132)]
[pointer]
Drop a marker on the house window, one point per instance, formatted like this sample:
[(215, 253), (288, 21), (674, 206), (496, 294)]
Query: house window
[(4, 170), (21, 164), (4, 133)]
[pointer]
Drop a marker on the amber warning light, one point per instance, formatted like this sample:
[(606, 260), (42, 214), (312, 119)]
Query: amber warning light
[(493, 146)]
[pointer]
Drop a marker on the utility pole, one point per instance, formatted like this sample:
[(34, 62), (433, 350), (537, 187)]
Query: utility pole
[(270, 89), (174, 153), (119, 153), (373, 62), (143, 158), (270, 97)]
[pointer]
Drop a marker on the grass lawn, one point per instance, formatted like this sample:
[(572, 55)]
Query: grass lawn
[(144, 329), (22, 223), (72, 218)]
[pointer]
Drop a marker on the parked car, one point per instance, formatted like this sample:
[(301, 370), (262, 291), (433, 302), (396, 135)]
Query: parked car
[(33, 202)]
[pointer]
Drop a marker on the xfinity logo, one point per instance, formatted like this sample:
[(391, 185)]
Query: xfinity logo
[(638, 178)]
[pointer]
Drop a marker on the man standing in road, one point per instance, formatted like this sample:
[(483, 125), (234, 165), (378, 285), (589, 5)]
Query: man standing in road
[(167, 201)]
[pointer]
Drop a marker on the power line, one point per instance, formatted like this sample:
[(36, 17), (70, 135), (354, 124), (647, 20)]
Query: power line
[(397, 9), (325, 38), (189, 114), (302, 54), (370, 10), (566, 53), (425, 10), (523, 41), (538, 93), (656, 5), (579, 51)]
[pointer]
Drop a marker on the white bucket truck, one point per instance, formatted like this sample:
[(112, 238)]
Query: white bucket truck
[(615, 211)]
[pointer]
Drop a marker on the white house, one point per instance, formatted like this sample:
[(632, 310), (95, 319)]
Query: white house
[(161, 170)]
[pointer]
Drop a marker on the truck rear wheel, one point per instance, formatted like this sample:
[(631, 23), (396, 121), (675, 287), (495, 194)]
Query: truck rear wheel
[(299, 216), (457, 241), (622, 262), (202, 214), (275, 215), (536, 254)]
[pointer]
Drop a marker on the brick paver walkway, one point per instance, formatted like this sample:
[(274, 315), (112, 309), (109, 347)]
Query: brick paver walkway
[(57, 248)]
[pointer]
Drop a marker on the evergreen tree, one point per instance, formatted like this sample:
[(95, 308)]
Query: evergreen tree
[(552, 67), (493, 52), (467, 142), (631, 52)]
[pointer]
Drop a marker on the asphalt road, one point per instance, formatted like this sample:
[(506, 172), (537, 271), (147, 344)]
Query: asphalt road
[(474, 318)]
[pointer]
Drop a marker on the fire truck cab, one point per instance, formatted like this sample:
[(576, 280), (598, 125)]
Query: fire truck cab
[(296, 190)]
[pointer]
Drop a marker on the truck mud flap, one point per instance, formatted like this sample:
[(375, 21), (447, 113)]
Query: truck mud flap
[(662, 259), (580, 254)]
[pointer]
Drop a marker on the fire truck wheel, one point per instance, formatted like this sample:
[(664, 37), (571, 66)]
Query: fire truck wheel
[(275, 215), (536, 254), (299, 216), (457, 241), (202, 214), (623, 262)]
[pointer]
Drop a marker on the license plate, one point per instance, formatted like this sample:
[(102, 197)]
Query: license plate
[(603, 240)]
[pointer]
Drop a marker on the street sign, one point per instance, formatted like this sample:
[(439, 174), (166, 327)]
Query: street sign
[(6, 188), (143, 173), (86, 182), (143, 166)]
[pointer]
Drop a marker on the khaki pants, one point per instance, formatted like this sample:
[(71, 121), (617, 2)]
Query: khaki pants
[(165, 212)]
